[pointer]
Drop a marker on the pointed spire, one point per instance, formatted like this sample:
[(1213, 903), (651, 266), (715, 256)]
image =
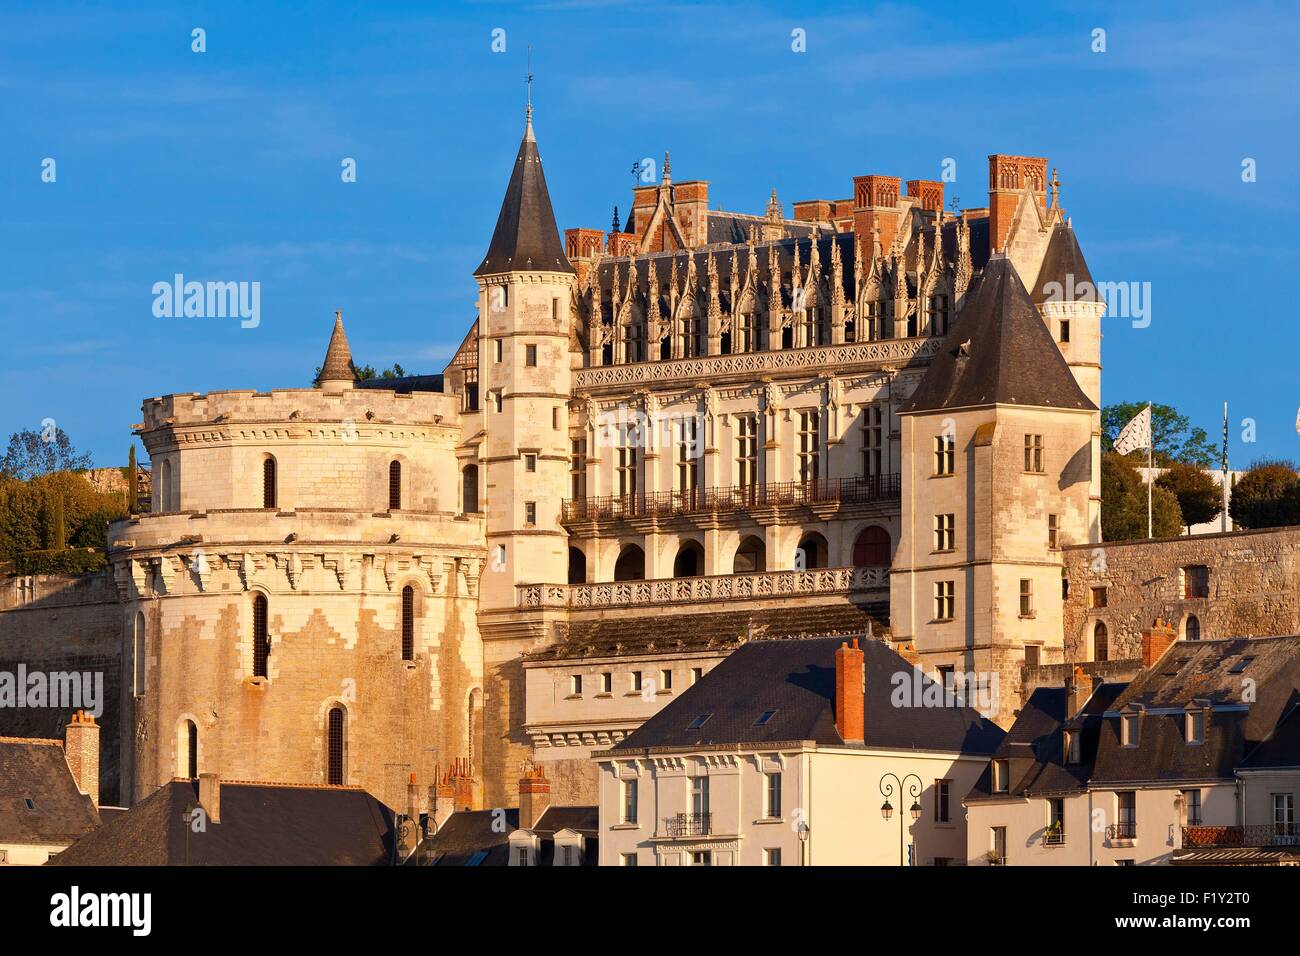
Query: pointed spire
[(668, 169), (616, 226), (338, 357), (525, 237)]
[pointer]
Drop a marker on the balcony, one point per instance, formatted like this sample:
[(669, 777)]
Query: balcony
[(1253, 835), (1054, 836), (718, 587), (1122, 832), (688, 825), (780, 494)]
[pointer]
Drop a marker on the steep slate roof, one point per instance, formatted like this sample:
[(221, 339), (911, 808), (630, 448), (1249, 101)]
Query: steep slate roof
[(1281, 748), (796, 678), (999, 351), (1202, 670), (37, 770), (405, 384), (1034, 746), (261, 825), (467, 833), (1063, 260), (526, 236)]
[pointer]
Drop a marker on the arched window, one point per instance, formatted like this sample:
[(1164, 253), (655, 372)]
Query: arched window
[(689, 562), (1193, 629), (165, 486), (630, 565), (408, 623), (1100, 645), (751, 556), (268, 482), (394, 485), (469, 489), (261, 639), (871, 549), (335, 739), (577, 566), (813, 552), (187, 750), (139, 653)]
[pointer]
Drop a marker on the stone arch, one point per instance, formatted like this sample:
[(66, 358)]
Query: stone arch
[(577, 565), (1100, 642), (1192, 628), (187, 748), (689, 562), (750, 556), (873, 547), (812, 552), (630, 565), (270, 481)]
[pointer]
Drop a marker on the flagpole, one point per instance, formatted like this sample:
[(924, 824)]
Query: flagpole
[(1151, 440)]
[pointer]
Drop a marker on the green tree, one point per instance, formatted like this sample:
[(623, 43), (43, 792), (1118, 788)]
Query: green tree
[(132, 483), (1267, 495), (1175, 437), (58, 539), (1124, 503), (32, 454), (365, 373), (1199, 498)]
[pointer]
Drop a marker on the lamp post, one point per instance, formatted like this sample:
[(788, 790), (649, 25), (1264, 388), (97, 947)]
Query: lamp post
[(887, 810)]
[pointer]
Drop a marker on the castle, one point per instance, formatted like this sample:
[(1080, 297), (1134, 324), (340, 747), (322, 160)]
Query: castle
[(704, 427)]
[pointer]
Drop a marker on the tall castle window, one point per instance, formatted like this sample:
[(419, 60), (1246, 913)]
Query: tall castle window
[(747, 451), (745, 332), (809, 445), (945, 532), (944, 454), (578, 469), (944, 600), (394, 485), (261, 640), (469, 489), (335, 740), (626, 465), (408, 623), (872, 441), (1034, 454), (938, 315), (139, 654), (187, 750), (268, 482), (688, 462)]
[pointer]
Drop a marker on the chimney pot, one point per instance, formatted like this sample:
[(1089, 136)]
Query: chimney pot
[(850, 698), (1156, 640)]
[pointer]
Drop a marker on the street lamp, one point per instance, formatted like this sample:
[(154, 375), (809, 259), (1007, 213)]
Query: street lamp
[(887, 809)]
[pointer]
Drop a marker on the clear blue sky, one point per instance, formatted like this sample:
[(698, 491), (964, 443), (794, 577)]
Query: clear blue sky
[(225, 165)]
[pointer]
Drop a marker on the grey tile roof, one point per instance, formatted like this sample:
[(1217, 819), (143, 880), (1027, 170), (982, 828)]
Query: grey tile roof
[(795, 678), (405, 384), (482, 837), (999, 351), (261, 825), (525, 237), (37, 771), (1063, 260)]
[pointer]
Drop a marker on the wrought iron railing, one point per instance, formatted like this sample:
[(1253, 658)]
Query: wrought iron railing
[(1122, 831), (1054, 837), (688, 824), (779, 494), (1252, 835)]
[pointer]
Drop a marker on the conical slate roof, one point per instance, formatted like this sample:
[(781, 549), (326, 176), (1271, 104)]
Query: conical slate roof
[(338, 357), (526, 237), (1063, 263), (999, 352)]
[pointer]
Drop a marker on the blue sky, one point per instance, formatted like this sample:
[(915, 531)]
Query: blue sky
[(225, 166)]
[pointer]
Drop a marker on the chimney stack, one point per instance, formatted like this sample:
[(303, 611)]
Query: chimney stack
[(81, 748), (534, 794), (210, 795), (875, 207), (1009, 176), (1078, 688), (850, 693), (1156, 640)]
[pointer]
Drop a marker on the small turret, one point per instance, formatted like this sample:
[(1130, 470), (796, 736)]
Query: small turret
[(337, 371)]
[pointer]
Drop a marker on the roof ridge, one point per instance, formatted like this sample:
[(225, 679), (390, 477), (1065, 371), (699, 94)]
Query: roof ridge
[(278, 783), (43, 741)]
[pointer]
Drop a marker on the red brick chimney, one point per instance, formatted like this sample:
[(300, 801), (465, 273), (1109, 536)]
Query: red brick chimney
[(1078, 688), (850, 695), (1008, 175), (534, 794), (413, 798), (928, 192), (81, 748), (875, 204), (1156, 640)]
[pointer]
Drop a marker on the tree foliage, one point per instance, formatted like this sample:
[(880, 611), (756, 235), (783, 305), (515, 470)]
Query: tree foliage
[(364, 373), (1175, 437), (1199, 498), (29, 513), (34, 453), (1124, 503), (1267, 495)]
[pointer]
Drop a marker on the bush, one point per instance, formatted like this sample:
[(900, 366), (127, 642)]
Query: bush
[(1267, 496), (64, 561), (1199, 498)]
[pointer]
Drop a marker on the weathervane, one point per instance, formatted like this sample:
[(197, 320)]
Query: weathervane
[(529, 82)]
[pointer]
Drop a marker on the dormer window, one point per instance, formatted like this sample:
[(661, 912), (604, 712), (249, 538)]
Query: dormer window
[(1000, 775), (1194, 726), (1072, 747), (1129, 730)]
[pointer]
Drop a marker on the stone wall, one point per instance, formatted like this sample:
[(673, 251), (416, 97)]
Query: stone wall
[(57, 623), (1254, 588)]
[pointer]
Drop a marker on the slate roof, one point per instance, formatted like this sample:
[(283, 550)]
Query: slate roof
[(526, 236), (795, 678), (1214, 671), (1034, 746), (1063, 260), (1281, 748), (261, 825), (37, 770), (999, 351), (476, 838), (405, 384)]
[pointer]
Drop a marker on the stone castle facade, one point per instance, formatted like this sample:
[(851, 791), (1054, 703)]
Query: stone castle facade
[(701, 428)]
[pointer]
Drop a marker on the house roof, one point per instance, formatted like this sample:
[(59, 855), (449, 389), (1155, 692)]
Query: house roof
[(482, 837), (261, 825), (1249, 683), (999, 352), (1063, 263), (795, 680), (338, 357), (526, 237), (37, 771)]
